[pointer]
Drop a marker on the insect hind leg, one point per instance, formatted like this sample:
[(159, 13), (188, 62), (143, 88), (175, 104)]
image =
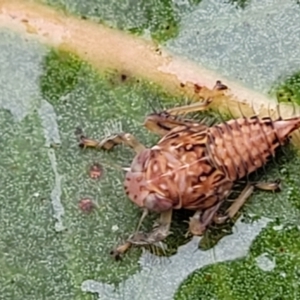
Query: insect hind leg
[(242, 198), (235, 206), (162, 122)]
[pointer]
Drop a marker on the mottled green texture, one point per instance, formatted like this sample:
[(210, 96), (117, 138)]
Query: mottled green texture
[(81, 97), (288, 89), (276, 276), (58, 262), (46, 94), (60, 75), (38, 261)]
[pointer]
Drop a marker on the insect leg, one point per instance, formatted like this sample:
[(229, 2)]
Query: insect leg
[(109, 142), (199, 106), (201, 219), (245, 194), (162, 122), (117, 252), (159, 233), (274, 186), (194, 107), (144, 215), (236, 205)]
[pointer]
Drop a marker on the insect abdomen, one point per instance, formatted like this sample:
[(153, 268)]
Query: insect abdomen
[(239, 147)]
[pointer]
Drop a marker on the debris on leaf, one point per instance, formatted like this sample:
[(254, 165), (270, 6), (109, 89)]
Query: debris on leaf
[(96, 171), (86, 205)]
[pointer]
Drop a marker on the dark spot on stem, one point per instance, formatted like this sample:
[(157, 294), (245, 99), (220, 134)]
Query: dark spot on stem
[(123, 77)]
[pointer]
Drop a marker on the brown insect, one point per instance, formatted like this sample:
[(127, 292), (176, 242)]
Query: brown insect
[(194, 166)]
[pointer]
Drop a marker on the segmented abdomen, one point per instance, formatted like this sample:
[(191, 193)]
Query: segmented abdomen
[(239, 147), (194, 166)]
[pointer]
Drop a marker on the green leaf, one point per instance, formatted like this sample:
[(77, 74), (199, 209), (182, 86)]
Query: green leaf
[(53, 250)]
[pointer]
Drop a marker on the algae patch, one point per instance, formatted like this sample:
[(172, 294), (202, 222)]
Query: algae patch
[(270, 271), (159, 278)]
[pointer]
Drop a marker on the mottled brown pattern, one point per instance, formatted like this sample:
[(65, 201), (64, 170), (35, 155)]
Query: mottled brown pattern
[(194, 166)]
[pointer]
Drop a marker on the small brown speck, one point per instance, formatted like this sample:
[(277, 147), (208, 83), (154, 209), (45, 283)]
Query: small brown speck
[(182, 85), (220, 86), (197, 88), (123, 77), (96, 171), (208, 277), (86, 205)]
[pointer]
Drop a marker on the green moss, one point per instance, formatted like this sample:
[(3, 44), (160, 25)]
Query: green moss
[(60, 75), (40, 262), (288, 89), (247, 279)]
